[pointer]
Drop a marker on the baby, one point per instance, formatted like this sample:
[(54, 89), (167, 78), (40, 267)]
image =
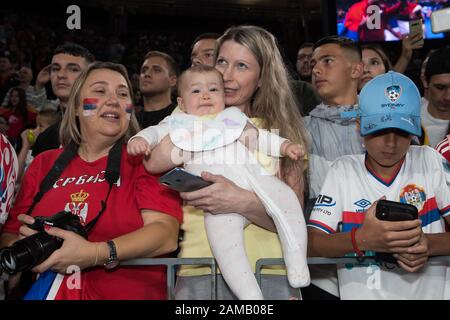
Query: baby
[(206, 136)]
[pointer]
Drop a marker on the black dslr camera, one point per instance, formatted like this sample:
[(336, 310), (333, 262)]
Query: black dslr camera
[(29, 252)]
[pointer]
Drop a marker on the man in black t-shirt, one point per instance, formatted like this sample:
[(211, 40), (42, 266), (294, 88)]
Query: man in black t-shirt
[(157, 80)]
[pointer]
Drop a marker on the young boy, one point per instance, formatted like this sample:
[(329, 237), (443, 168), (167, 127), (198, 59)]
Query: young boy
[(44, 120), (208, 136), (343, 219), (336, 64)]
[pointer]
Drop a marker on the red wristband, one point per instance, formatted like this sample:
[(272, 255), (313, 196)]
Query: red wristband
[(354, 244)]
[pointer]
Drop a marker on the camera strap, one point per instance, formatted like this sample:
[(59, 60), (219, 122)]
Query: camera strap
[(112, 174), (58, 167)]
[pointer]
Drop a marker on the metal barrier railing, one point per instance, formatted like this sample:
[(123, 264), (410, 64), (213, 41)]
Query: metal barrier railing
[(173, 263)]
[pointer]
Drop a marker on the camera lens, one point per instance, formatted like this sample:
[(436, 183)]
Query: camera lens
[(28, 253), (8, 263)]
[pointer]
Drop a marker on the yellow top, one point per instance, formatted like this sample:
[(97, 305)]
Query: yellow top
[(259, 242)]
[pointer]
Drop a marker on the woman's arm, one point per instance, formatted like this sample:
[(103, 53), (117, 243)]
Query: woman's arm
[(409, 43), (224, 196), (158, 236)]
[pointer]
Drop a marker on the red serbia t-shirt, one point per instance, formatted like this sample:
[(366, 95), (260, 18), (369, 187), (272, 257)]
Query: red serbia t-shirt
[(80, 190)]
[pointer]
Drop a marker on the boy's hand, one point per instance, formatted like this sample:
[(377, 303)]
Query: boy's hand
[(138, 146), (29, 137), (387, 236), (416, 257), (292, 150)]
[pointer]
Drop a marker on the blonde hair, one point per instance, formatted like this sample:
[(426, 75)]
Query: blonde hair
[(70, 127), (273, 102)]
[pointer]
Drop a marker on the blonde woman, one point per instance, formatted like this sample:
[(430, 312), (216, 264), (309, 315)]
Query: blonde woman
[(256, 82)]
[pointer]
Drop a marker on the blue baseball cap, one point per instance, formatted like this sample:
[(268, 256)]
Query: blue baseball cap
[(390, 100)]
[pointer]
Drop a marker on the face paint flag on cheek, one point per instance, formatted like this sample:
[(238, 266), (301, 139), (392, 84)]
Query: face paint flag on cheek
[(90, 107), (129, 110)]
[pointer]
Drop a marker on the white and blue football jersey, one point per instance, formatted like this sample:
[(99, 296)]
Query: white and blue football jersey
[(350, 188)]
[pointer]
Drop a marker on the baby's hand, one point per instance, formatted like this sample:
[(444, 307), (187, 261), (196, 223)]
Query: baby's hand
[(292, 150), (138, 146)]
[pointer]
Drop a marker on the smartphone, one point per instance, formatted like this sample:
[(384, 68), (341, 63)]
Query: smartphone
[(393, 211), (182, 181), (440, 20), (416, 27)]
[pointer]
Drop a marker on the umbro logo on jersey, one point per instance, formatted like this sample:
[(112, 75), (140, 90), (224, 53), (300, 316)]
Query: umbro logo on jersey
[(324, 201), (363, 203)]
